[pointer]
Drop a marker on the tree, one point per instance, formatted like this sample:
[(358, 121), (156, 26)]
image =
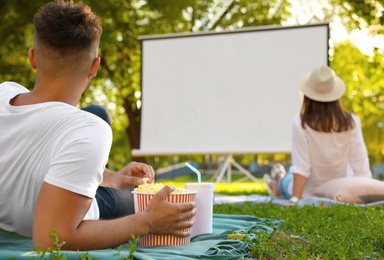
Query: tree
[(360, 14), (361, 73), (16, 37), (124, 21), (365, 87)]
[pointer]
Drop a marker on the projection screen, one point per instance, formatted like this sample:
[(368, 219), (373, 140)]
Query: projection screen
[(232, 92)]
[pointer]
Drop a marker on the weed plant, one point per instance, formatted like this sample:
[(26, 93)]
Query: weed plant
[(55, 253)]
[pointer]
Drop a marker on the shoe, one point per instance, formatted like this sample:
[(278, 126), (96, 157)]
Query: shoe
[(277, 168), (268, 180)]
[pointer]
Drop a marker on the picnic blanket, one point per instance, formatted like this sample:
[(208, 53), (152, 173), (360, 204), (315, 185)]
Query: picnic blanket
[(205, 246), (256, 198)]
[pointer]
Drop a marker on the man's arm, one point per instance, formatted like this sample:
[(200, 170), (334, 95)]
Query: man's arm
[(63, 211)]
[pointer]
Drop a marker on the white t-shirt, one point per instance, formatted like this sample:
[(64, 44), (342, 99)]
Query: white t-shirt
[(325, 156), (52, 142)]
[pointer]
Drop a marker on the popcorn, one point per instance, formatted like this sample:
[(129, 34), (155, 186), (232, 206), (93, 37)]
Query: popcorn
[(155, 187)]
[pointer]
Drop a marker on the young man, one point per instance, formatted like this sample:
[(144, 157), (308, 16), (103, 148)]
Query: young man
[(53, 155)]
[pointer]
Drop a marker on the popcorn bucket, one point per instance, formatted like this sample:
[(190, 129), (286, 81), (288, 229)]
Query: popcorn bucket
[(141, 200)]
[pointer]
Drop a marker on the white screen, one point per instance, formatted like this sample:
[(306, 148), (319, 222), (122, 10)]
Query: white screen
[(225, 93)]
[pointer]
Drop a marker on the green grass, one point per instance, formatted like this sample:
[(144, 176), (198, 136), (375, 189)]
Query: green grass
[(309, 232), (234, 188)]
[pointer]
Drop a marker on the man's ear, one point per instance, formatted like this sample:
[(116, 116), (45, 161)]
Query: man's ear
[(95, 67), (32, 58)]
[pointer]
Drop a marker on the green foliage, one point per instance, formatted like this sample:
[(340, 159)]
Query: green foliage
[(16, 37), (117, 85), (234, 188), (310, 232), (56, 254), (131, 249), (361, 14), (243, 188), (365, 87), (123, 22)]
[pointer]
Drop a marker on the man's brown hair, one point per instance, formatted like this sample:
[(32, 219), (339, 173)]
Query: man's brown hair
[(325, 116), (66, 27)]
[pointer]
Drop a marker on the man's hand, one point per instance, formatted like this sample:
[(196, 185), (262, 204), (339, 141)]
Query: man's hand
[(129, 176), (169, 218), (63, 211)]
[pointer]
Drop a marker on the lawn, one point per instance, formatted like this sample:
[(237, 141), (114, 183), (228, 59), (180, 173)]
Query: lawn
[(310, 232), (337, 232), (234, 188)]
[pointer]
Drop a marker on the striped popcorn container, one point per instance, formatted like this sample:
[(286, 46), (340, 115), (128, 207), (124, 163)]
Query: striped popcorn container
[(141, 199)]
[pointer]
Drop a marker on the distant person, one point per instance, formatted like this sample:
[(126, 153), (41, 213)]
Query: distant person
[(53, 155), (99, 111), (327, 141)]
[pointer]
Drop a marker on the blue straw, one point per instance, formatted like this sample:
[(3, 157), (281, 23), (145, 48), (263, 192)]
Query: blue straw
[(195, 170)]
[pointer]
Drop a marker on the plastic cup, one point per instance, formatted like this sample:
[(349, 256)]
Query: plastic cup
[(204, 206), (141, 200)]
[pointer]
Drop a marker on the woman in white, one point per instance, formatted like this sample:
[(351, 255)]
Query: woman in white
[(327, 141)]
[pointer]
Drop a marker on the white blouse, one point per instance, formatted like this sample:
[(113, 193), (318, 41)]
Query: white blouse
[(321, 157)]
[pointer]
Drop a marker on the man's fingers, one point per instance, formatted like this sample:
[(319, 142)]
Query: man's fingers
[(164, 192), (188, 215), (179, 216), (182, 228), (150, 173), (186, 223), (188, 206), (181, 233), (143, 170), (129, 181)]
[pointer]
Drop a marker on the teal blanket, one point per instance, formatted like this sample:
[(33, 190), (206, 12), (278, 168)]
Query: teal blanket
[(206, 246)]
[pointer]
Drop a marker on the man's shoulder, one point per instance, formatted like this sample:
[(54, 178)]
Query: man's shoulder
[(11, 86), (75, 116), (68, 120), (74, 126)]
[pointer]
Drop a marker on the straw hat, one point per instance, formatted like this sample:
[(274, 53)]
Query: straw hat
[(322, 85)]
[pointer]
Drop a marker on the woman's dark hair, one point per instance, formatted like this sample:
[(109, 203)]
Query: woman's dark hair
[(325, 116)]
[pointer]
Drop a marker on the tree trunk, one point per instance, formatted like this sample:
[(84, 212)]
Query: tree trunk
[(133, 129)]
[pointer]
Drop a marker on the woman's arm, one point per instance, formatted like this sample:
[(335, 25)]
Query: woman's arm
[(298, 185), (358, 154), (301, 161)]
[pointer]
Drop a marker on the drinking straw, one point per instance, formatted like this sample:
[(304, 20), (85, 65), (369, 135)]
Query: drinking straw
[(195, 170)]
